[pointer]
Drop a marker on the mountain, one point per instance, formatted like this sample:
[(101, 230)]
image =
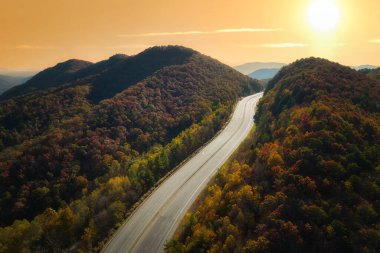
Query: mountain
[(51, 77), (4, 84), (73, 164), (307, 179), (7, 82), (261, 74), (106, 78), (365, 67), (248, 68), (375, 74)]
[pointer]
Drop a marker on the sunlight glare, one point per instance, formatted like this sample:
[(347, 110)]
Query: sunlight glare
[(323, 15)]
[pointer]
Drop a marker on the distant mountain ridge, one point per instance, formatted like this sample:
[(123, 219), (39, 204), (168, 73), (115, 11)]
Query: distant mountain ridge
[(251, 67), (367, 66), (8, 81), (261, 74), (248, 68)]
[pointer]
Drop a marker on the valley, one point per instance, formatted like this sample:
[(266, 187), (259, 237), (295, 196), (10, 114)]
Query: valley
[(165, 207), (173, 126)]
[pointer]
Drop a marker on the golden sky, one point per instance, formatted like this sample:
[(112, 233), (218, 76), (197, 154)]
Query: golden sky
[(35, 34)]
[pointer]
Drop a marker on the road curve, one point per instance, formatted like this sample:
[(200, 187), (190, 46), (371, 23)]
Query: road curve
[(156, 219)]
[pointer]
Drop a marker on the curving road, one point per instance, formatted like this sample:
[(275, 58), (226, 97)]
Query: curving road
[(157, 218)]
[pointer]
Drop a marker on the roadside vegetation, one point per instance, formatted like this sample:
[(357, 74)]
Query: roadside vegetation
[(309, 178), (72, 167)]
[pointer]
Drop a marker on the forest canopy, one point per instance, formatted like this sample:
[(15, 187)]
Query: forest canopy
[(81, 143), (308, 178)]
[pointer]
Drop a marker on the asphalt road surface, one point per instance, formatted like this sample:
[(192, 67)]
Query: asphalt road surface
[(156, 219)]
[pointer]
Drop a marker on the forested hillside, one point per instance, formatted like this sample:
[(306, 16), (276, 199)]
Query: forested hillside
[(374, 73), (307, 180), (108, 77), (80, 146)]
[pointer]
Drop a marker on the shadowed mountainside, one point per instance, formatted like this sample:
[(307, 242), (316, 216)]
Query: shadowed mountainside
[(51, 77), (106, 78)]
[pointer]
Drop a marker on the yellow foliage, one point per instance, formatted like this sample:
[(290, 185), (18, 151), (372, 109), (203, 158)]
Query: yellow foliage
[(275, 160), (107, 159), (118, 183), (256, 246)]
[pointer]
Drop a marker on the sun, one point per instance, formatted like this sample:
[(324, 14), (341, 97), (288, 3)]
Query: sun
[(323, 15)]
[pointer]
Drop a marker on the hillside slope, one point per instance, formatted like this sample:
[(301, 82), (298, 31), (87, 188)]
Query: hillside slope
[(73, 166), (373, 73), (308, 180), (51, 77)]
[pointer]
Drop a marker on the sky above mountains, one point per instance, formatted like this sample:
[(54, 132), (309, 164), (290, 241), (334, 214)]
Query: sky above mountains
[(37, 34)]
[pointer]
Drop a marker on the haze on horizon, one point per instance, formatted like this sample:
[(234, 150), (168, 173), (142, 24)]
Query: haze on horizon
[(35, 35)]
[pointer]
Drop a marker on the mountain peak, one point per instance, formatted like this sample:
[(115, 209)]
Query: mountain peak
[(118, 57), (170, 50), (108, 77), (316, 77), (70, 66)]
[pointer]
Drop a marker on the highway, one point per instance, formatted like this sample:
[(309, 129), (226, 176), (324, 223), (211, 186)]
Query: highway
[(156, 219)]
